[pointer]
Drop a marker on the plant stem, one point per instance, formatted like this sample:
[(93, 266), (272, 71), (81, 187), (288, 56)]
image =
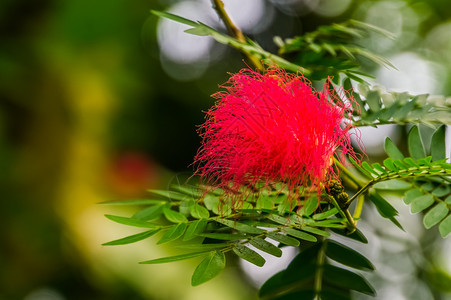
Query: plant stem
[(358, 208), (345, 213), (318, 281), (234, 31), (348, 173)]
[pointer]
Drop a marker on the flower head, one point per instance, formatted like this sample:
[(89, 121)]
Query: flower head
[(269, 128)]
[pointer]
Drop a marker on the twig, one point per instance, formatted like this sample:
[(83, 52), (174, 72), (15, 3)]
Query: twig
[(234, 31)]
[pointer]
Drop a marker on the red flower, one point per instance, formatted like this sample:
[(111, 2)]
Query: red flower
[(272, 128)]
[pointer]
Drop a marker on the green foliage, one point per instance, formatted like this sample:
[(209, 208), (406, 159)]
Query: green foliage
[(331, 51), (423, 180), (374, 107), (311, 275), (215, 235), (249, 47), (203, 221)]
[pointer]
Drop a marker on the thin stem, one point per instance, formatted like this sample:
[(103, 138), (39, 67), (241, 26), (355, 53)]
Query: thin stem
[(318, 281), (347, 173), (360, 192), (358, 208), (234, 31), (345, 213)]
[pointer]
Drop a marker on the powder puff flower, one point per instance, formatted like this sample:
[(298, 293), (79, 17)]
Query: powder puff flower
[(272, 128)]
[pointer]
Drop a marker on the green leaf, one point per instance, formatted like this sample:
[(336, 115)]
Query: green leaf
[(435, 215), (379, 168), (421, 203), (412, 195), (367, 167), (174, 232), (174, 216), (199, 212), (224, 236), (357, 235), (131, 221), (362, 170), (134, 202), (209, 268), (279, 220), (391, 149), (281, 238), (265, 246), (347, 256), (149, 213), (239, 226), (326, 214), (445, 226), (347, 279), (200, 31), (388, 163), (194, 229), (249, 255), (393, 184), (415, 143), (442, 190), (300, 235), (384, 208), (438, 146), (171, 195), (174, 18), (205, 247), (315, 231), (132, 238), (374, 100), (310, 206), (173, 258)]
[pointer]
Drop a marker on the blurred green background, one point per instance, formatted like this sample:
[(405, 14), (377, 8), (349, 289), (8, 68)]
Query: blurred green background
[(91, 110)]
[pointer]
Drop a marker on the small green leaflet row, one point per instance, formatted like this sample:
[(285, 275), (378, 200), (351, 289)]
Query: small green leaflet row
[(195, 222), (424, 180)]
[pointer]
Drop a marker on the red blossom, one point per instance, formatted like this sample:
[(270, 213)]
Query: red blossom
[(269, 128)]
